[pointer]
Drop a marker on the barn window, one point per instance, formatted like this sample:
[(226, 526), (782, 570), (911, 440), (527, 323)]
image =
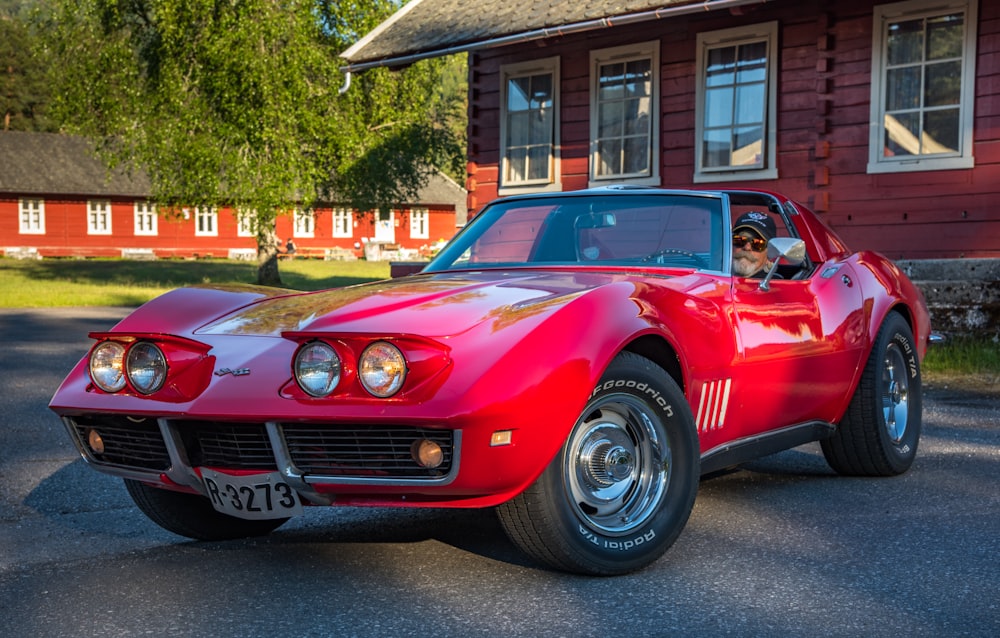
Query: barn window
[(923, 68), (305, 223), (419, 223), (343, 226), (32, 216), (99, 217), (145, 218), (246, 223), (624, 131), (528, 126), (206, 222), (735, 104)]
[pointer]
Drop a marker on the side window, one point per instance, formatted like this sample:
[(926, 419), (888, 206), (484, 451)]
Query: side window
[(624, 114), (923, 71), (98, 217), (736, 99), (529, 129), (145, 218), (31, 220)]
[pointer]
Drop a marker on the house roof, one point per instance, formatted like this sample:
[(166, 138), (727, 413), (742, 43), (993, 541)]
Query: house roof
[(54, 164), (430, 28), (47, 164)]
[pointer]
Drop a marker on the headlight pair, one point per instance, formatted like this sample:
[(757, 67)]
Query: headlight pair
[(381, 369), (142, 364)]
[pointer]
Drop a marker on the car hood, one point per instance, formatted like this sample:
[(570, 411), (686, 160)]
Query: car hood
[(433, 305)]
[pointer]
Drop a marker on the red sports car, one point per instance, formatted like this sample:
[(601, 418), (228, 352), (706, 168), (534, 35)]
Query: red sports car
[(576, 360)]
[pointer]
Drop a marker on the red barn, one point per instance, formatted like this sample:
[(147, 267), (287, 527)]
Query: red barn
[(58, 200), (882, 116)]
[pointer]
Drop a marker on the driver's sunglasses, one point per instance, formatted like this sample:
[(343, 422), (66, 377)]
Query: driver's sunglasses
[(757, 244)]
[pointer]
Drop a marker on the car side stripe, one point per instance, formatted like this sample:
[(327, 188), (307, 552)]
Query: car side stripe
[(713, 404)]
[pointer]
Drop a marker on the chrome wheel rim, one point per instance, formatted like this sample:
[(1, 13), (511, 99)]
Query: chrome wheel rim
[(617, 465), (895, 393)]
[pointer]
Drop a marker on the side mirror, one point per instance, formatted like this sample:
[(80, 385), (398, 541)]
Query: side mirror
[(791, 249)]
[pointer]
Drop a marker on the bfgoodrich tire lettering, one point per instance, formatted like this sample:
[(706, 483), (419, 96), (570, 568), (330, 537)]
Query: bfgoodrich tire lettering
[(193, 516), (621, 489), (878, 435)]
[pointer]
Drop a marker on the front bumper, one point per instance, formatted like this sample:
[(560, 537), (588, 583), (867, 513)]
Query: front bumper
[(312, 457)]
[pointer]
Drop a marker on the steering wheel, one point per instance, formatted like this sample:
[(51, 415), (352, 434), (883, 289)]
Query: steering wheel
[(659, 255)]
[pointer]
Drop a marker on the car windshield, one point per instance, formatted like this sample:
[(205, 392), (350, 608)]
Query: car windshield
[(610, 229)]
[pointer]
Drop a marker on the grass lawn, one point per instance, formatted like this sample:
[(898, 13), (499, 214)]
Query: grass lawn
[(117, 282), (958, 363)]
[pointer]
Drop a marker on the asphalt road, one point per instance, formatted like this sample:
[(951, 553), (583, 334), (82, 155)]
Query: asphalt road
[(780, 547)]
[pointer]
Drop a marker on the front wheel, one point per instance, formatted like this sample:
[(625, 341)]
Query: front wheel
[(193, 516), (878, 435), (621, 489)]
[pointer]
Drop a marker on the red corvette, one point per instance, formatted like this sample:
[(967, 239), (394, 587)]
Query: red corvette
[(576, 360)]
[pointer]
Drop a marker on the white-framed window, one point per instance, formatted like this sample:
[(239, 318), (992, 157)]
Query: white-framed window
[(923, 75), (98, 217), (736, 103), (343, 223), (304, 223), (145, 218), (419, 223), (529, 125), (246, 222), (206, 222), (624, 113), (31, 218)]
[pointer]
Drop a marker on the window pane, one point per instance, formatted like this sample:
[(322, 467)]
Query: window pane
[(517, 128), (906, 42), (902, 89), (538, 162), (636, 155), (518, 90), (611, 82), (715, 148), (517, 164), (540, 127), (944, 37), (721, 66), (750, 101), (719, 107), (944, 84), (609, 157), (748, 147), (941, 132), (610, 122), (902, 134), (752, 63), (541, 91), (638, 81), (637, 116)]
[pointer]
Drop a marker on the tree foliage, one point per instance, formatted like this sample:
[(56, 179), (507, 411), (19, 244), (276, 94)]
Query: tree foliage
[(236, 103), (24, 93)]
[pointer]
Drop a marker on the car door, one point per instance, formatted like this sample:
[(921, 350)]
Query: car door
[(799, 344)]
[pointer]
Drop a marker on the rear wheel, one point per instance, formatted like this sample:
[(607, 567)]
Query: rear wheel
[(193, 516), (879, 434), (621, 489)]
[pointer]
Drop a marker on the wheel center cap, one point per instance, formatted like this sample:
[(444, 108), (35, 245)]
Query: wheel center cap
[(619, 464)]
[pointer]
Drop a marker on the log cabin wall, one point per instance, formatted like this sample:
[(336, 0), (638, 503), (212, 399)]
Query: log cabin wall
[(823, 122)]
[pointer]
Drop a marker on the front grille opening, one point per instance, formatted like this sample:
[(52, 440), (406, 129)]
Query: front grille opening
[(129, 442), (364, 451), (243, 446)]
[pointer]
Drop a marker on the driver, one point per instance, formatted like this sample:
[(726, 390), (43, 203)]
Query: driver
[(751, 233)]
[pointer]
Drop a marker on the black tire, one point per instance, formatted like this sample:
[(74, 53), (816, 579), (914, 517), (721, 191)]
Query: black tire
[(878, 435), (620, 491), (192, 515)]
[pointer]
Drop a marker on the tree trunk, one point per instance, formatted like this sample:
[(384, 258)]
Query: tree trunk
[(267, 260)]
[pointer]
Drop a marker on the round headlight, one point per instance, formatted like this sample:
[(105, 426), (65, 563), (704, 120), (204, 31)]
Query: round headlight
[(106, 366), (382, 369), (146, 367), (317, 368)]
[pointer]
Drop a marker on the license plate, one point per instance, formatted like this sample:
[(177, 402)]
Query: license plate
[(253, 496)]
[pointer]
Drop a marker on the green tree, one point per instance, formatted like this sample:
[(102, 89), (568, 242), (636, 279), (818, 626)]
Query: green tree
[(237, 104), (23, 83)]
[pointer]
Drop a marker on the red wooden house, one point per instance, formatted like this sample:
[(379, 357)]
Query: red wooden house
[(58, 200), (882, 116)]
